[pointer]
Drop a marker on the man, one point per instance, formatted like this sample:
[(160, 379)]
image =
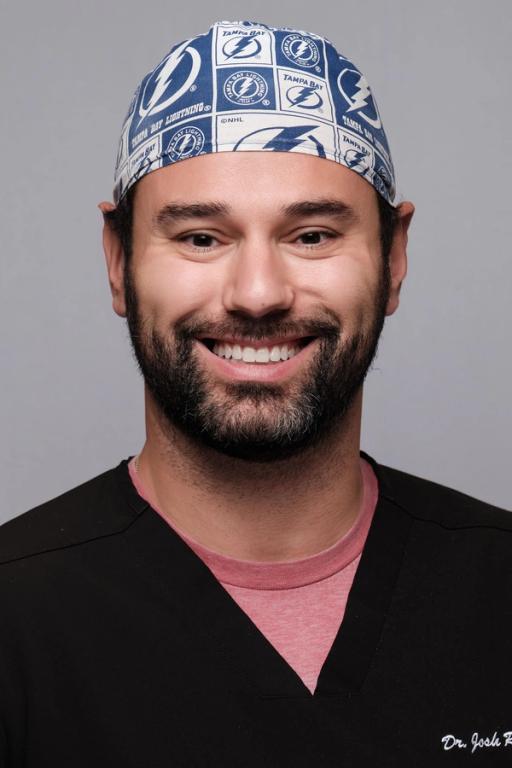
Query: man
[(252, 589)]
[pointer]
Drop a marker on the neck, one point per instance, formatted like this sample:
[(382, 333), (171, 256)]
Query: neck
[(282, 510)]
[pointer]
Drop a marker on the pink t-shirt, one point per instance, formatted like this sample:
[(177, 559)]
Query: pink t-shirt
[(298, 605)]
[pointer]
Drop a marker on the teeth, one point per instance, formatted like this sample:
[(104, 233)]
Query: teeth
[(248, 354), (251, 355)]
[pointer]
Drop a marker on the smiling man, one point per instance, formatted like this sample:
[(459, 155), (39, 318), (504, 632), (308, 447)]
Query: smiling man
[(251, 588)]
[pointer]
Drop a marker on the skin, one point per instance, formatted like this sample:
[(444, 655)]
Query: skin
[(259, 267)]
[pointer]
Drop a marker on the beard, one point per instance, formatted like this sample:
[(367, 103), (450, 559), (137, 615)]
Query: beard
[(255, 421)]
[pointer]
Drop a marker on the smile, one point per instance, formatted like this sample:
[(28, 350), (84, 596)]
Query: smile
[(256, 352), (264, 355), (265, 363)]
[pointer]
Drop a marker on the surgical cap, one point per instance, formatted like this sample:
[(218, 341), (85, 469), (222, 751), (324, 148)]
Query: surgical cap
[(244, 86)]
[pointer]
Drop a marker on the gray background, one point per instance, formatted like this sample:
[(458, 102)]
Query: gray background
[(437, 402)]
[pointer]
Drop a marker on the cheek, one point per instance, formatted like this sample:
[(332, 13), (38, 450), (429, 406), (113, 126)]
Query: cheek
[(346, 283), (168, 291)]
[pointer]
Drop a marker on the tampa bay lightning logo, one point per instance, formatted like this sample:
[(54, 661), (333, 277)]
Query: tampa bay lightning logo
[(279, 139), (301, 50), (356, 92), (304, 97), (246, 88), (187, 142), (170, 80), (241, 47), (358, 160), (146, 159)]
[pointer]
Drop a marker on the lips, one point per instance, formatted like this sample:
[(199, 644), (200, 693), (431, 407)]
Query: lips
[(257, 344), (264, 371)]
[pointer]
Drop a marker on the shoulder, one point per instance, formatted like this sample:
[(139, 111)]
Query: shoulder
[(94, 509), (430, 502), (455, 555)]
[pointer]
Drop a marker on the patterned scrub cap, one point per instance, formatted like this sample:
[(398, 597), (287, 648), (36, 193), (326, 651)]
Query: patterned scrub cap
[(243, 86)]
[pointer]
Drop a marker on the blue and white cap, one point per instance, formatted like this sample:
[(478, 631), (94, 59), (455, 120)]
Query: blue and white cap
[(243, 86)]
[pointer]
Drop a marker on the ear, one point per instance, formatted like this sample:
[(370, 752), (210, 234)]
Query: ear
[(114, 257), (398, 254)]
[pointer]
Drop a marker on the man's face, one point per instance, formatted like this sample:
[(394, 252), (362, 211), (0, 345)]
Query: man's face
[(285, 263)]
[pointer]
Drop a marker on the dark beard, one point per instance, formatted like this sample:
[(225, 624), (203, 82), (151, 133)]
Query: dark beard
[(280, 425)]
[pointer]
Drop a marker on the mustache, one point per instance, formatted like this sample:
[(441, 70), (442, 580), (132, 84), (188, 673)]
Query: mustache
[(268, 326)]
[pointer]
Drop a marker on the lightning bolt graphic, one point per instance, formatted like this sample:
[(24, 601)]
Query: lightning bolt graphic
[(359, 98), (303, 94), (186, 140), (290, 136), (358, 157), (240, 46), (164, 78), (302, 47), (246, 84)]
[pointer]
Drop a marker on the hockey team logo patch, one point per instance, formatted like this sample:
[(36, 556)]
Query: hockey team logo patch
[(187, 142), (356, 92), (302, 92), (148, 155), (241, 47), (301, 50), (358, 160), (170, 81), (305, 97), (357, 154), (245, 88)]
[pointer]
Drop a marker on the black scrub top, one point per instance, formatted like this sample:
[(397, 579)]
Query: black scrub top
[(119, 648)]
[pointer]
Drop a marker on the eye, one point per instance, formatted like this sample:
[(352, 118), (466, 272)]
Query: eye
[(313, 239), (203, 242), (200, 241)]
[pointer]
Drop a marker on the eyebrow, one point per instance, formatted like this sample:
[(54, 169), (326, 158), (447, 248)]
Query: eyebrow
[(178, 211)]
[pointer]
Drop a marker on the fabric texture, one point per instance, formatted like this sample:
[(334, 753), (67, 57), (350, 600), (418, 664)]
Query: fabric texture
[(245, 86), (298, 605), (119, 647)]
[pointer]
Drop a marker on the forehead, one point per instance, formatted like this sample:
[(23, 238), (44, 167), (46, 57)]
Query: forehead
[(255, 181)]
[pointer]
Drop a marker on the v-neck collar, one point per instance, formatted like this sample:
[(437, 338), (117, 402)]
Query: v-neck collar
[(356, 642), (258, 663)]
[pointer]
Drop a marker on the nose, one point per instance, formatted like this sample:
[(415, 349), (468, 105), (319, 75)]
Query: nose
[(258, 281)]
